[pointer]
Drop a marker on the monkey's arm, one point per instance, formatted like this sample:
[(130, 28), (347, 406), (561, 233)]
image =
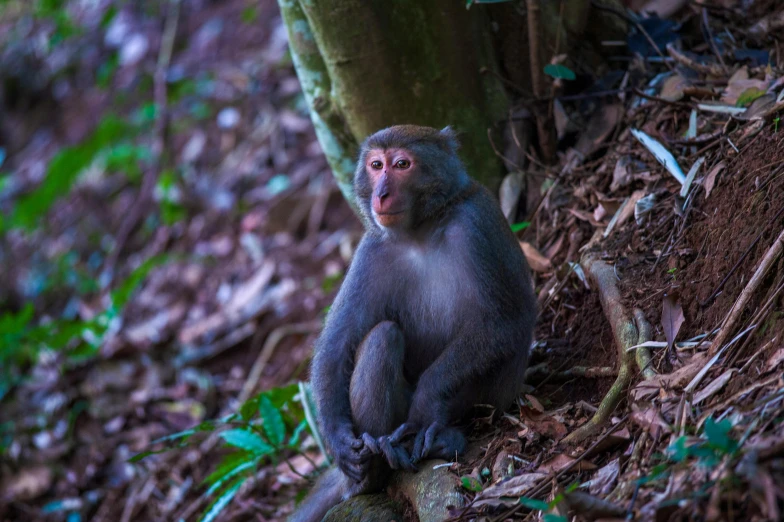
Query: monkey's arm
[(349, 319)]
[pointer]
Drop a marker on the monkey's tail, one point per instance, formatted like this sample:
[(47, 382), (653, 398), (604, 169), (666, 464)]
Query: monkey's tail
[(327, 492)]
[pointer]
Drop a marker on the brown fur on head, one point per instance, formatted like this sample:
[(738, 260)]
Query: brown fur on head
[(406, 174)]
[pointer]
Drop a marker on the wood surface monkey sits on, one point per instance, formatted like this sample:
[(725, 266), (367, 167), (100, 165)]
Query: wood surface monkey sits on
[(436, 314)]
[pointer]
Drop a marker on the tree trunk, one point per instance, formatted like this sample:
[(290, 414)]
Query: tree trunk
[(406, 61), (339, 145)]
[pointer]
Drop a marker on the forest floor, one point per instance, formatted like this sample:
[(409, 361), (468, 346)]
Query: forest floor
[(181, 280)]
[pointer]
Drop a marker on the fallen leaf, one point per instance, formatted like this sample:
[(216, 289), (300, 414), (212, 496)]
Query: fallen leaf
[(536, 260), (509, 194), (543, 424), (622, 175), (667, 381), (717, 384), (512, 487), (672, 319), (661, 154), (561, 461), (672, 88), (535, 404), (651, 420), (775, 359), (604, 479), (740, 83), (710, 179)]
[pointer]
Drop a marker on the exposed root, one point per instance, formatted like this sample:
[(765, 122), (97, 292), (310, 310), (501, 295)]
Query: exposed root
[(536, 374), (628, 331)]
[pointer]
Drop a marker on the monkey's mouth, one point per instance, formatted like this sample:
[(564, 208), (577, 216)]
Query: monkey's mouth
[(388, 219)]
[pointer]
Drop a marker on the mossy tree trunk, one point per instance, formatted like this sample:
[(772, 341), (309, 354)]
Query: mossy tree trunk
[(368, 64)]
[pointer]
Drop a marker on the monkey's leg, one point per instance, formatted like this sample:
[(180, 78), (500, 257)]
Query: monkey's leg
[(498, 390), (379, 396)]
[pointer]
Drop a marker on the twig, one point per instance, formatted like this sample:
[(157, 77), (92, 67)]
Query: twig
[(139, 208), (759, 318), (715, 49), (740, 305), (697, 140), (713, 70), (268, 349), (641, 94)]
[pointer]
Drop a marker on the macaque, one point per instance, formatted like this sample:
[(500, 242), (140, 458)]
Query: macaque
[(436, 315)]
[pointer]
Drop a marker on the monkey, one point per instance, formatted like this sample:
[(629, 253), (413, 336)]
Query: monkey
[(435, 315)]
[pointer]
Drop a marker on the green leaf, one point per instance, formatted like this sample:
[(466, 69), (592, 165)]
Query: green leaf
[(748, 96), (281, 395), (551, 517), (718, 435), (231, 466), (679, 450), (532, 503), (656, 472), (247, 440), (222, 500), (63, 171), (145, 454), (123, 293), (559, 71), (185, 434), (249, 407), (272, 420), (471, 483), (517, 227)]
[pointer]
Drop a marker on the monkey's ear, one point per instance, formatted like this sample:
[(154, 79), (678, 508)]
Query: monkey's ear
[(449, 137)]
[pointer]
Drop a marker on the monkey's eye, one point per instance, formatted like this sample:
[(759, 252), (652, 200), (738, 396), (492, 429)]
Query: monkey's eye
[(403, 164), (376, 165)]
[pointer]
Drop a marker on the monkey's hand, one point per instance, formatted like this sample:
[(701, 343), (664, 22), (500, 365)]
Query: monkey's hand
[(351, 455), (393, 452), (433, 440)]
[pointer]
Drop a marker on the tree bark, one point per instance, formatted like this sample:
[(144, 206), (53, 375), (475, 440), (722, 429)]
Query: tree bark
[(398, 62), (339, 145)]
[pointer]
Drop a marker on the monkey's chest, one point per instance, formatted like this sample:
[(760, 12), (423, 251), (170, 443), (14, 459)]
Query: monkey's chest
[(438, 297)]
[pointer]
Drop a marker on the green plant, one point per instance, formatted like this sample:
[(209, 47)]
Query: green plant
[(547, 507), (517, 227), (62, 173), (264, 429), (22, 338), (715, 444), (559, 72)]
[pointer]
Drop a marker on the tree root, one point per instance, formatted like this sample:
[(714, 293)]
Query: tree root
[(430, 493), (628, 330)]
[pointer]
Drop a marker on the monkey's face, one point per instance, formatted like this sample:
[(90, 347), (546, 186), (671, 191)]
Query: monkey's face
[(389, 172)]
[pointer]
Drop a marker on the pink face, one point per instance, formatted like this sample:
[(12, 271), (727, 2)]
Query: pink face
[(388, 170)]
